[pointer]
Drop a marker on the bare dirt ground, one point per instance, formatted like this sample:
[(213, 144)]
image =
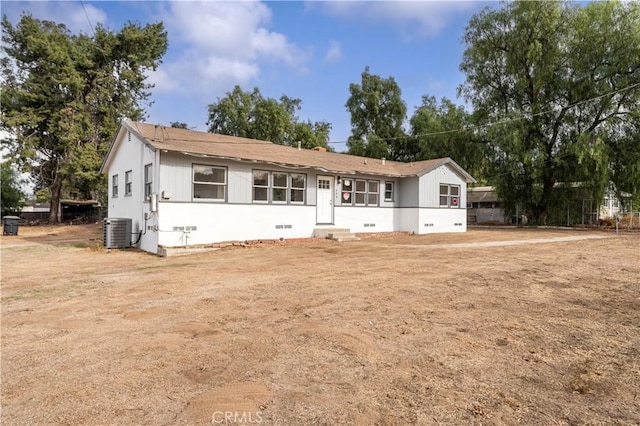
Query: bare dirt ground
[(386, 330)]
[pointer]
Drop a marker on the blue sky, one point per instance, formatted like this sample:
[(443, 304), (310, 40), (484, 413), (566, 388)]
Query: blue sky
[(308, 50)]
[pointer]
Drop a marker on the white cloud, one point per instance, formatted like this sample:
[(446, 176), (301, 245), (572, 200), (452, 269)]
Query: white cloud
[(224, 43), (334, 52), (414, 19)]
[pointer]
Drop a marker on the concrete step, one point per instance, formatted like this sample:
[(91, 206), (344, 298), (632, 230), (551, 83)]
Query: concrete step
[(341, 239), (342, 235), (323, 232)]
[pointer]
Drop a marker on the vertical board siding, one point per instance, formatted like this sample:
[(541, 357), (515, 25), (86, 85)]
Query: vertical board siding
[(430, 186), (132, 154), (408, 192)]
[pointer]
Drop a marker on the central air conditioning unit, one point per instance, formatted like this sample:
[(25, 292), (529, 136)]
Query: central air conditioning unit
[(117, 232)]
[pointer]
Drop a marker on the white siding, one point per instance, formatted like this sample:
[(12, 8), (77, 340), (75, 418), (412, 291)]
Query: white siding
[(409, 191), (431, 221), (409, 219), (367, 219), (430, 186), (132, 154), (217, 222)]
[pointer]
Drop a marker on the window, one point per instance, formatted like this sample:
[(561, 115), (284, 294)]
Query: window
[(114, 186), (374, 190), (279, 190), (347, 192), (260, 186), (127, 183), (388, 191), (361, 192), (209, 182), (449, 195), (279, 187), (298, 184), (148, 178)]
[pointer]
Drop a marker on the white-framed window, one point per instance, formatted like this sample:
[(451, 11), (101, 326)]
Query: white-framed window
[(261, 186), (114, 186), (127, 183), (148, 179), (347, 192), (360, 192), (388, 191), (373, 188), (449, 195), (279, 187), (209, 182), (297, 191)]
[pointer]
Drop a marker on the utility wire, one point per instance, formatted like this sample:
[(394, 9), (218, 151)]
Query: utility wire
[(88, 20), (505, 121), (443, 132)]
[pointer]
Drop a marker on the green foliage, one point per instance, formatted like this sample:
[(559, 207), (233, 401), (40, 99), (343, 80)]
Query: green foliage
[(63, 96), (377, 117), (250, 115), (178, 125), (438, 132), (568, 78), (12, 197)]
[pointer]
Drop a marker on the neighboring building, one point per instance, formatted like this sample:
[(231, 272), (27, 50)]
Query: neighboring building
[(35, 212), (182, 187), (612, 205), (71, 211), (483, 206)]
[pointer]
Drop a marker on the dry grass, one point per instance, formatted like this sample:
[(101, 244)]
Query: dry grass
[(317, 332)]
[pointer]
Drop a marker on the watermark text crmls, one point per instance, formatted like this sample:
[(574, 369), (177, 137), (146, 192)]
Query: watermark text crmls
[(236, 417)]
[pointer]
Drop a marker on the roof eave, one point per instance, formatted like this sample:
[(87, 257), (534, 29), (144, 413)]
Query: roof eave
[(448, 161), (124, 124)]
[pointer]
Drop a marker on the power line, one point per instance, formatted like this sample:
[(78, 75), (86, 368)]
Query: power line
[(505, 121), (88, 20)]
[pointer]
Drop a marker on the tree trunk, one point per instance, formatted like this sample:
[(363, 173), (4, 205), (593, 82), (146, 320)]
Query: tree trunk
[(56, 190)]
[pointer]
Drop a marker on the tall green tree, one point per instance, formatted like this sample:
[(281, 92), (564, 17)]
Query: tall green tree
[(251, 115), (439, 131), (378, 114), (64, 94), (12, 197), (559, 76)]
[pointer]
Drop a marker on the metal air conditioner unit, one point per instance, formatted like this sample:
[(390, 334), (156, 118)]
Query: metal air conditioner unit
[(117, 232)]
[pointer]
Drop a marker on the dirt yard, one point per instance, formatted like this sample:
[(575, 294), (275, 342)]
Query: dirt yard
[(389, 330)]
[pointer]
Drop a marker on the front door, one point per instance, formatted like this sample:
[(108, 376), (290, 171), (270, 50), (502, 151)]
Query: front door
[(324, 200)]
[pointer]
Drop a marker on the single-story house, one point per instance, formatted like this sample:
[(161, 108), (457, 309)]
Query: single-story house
[(182, 187)]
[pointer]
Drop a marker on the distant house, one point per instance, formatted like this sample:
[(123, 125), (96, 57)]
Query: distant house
[(612, 205), (181, 187), (484, 206), (71, 210), (35, 212)]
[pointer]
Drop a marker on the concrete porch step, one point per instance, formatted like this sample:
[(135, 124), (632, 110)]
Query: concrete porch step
[(342, 235), (323, 231)]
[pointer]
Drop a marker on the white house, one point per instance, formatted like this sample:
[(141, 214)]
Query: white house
[(181, 187)]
